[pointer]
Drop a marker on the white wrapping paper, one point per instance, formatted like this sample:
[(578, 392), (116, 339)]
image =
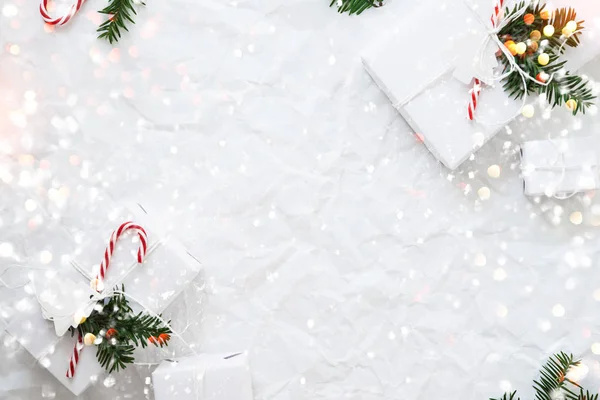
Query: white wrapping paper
[(204, 377), (560, 167), (167, 269), (425, 74)]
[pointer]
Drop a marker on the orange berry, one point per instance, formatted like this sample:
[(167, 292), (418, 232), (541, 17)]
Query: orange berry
[(153, 340), (529, 19), (111, 332), (541, 77), (545, 15), (511, 46), (533, 46), (163, 338)]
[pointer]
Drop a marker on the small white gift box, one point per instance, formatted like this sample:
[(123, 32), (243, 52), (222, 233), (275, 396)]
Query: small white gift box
[(167, 268), (425, 70), (559, 167), (204, 377)]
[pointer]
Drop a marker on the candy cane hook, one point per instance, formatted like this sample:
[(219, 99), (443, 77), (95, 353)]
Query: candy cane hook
[(62, 19), (97, 283)]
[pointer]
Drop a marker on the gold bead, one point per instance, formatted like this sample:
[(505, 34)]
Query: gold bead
[(521, 48), (89, 339), (571, 104), (535, 35), (543, 59)]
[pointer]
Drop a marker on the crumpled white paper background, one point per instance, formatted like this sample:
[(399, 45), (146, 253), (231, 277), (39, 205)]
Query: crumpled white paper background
[(336, 249)]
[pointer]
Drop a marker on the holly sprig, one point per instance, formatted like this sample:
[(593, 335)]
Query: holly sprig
[(537, 40), (116, 331), (554, 381), (120, 13), (355, 6)]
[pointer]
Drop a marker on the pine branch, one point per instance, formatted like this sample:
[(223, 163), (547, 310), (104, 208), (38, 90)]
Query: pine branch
[(140, 328), (507, 396), (120, 332), (553, 378), (563, 86), (355, 6), (554, 381), (120, 13)]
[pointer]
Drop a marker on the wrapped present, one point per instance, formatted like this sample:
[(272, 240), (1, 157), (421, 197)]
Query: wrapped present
[(152, 285), (429, 73), (559, 167), (204, 377)]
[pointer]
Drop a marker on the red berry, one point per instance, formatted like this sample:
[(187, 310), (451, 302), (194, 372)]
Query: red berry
[(110, 333)]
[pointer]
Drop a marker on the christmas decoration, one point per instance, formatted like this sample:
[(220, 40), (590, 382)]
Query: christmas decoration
[(119, 12), (558, 380), (467, 61), (119, 331), (560, 167), (561, 29), (204, 376), (119, 320), (355, 6)]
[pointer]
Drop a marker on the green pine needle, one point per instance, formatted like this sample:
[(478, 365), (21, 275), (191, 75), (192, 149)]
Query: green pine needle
[(355, 6), (120, 13)]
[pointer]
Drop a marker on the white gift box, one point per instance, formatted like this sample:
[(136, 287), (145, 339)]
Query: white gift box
[(425, 68), (204, 377), (559, 167), (167, 268)]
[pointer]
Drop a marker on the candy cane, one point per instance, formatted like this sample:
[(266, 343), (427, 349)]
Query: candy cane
[(75, 357), (476, 89), (59, 20), (474, 96), (101, 274)]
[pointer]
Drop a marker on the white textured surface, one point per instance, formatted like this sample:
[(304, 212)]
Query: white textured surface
[(336, 250)]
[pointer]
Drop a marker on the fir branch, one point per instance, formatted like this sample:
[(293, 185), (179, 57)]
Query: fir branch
[(563, 86), (119, 332), (355, 6), (554, 381), (507, 396), (120, 13)]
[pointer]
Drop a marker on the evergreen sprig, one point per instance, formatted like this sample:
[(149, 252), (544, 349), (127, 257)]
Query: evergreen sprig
[(554, 381), (120, 331), (355, 6), (120, 13), (564, 86)]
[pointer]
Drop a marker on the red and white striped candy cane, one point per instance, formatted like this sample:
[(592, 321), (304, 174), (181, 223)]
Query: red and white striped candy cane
[(102, 273), (476, 89), (75, 357), (59, 20)]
